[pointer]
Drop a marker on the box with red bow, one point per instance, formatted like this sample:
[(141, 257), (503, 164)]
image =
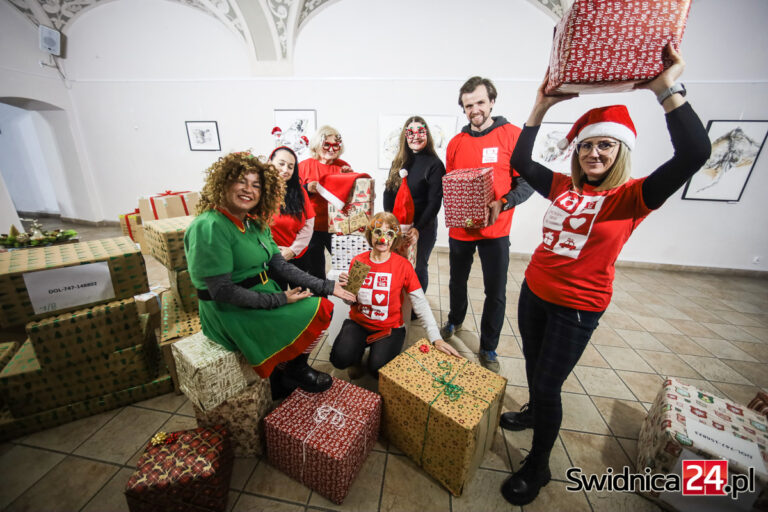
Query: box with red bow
[(466, 194), (183, 471), (322, 439), (609, 46), (168, 204), (130, 223)]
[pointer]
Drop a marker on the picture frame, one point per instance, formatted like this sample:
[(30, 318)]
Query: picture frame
[(203, 135), (546, 151), (442, 127), (736, 147), (293, 124)]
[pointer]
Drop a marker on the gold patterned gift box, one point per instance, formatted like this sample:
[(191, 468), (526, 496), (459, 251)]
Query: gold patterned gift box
[(685, 423), (28, 389), (353, 219), (165, 239), (15, 427), (176, 323), (181, 286), (85, 335), (126, 270), (440, 410), (242, 415), (208, 373)]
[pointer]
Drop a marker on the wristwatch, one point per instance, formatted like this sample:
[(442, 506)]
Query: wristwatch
[(666, 93)]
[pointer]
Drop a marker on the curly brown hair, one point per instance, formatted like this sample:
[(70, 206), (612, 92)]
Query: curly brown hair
[(230, 168), (377, 221)]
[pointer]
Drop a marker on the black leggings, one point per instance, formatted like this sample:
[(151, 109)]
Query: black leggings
[(349, 346), (313, 261), (554, 337)]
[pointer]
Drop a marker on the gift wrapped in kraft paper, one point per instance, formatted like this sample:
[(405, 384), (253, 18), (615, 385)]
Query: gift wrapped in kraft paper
[(441, 411), (322, 439), (182, 288), (687, 423), (165, 239), (609, 46), (175, 322)]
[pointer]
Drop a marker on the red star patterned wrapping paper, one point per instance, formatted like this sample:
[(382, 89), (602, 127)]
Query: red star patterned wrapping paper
[(440, 410), (466, 193), (666, 431), (183, 471), (609, 46), (322, 439)]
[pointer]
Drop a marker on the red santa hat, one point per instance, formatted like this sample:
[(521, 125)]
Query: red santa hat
[(336, 188), (612, 121), (404, 208)]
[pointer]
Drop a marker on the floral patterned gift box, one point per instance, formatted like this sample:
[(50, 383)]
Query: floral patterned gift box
[(441, 411), (322, 439)]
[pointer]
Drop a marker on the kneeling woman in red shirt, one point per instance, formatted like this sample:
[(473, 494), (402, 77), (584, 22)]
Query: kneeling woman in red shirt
[(376, 318)]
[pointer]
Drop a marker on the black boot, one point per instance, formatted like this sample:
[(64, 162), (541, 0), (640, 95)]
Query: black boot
[(523, 486), (280, 388), (299, 373), (517, 420)]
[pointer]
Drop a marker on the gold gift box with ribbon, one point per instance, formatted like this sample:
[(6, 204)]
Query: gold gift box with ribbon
[(440, 410)]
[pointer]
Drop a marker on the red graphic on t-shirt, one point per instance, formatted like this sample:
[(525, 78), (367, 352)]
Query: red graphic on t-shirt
[(380, 298), (569, 202), (550, 237), (580, 224), (368, 281), (382, 281)]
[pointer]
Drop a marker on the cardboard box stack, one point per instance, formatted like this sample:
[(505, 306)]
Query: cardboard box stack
[(433, 401), (348, 226), (87, 349)]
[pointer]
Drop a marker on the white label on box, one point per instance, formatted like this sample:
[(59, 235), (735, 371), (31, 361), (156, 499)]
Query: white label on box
[(724, 444), (68, 287)]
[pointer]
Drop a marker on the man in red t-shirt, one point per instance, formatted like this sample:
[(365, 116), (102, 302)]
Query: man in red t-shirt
[(485, 142)]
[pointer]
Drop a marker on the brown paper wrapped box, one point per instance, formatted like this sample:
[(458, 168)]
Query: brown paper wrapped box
[(126, 267), (181, 286), (151, 303), (242, 415), (7, 350), (87, 335), (129, 223), (177, 323), (441, 411), (168, 204), (15, 427), (165, 239)]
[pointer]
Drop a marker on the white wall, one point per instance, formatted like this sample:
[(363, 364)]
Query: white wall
[(356, 60)]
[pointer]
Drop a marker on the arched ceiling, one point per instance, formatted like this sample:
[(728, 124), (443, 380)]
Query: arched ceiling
[(269, 28)]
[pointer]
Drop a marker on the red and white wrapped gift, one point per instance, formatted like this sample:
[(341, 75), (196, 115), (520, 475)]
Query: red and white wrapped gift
[(168, 204), (609, 46), (322, 439), (466, 194)]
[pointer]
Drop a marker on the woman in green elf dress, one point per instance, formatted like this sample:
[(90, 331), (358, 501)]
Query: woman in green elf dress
[(230, 254)]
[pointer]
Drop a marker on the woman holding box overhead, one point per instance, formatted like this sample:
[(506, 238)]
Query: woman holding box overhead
[(325, 147), (568, 283), (229, 251), (425, 180)]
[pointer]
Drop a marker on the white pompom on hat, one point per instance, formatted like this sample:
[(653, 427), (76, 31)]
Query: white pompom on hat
[(403, 173), (612, 121)]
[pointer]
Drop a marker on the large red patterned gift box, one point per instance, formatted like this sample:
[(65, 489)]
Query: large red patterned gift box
[(609, 46), (466, 194), (686, 423), (322, 439), (183, 471)]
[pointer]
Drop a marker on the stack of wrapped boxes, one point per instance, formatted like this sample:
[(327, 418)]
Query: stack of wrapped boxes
[(348, 226), (86, 348), (179, 318)]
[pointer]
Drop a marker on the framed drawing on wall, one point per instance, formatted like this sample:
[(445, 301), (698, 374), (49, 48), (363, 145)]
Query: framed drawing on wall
[(736, 146), (294, 128), (203, 135), (546, 151)]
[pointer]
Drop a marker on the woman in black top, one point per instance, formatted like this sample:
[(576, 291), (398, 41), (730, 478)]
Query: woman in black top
[(425, 179)]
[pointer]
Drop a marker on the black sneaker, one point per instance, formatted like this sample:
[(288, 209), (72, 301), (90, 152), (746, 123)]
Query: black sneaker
[(517, 420), (447, 330), (523, 486)]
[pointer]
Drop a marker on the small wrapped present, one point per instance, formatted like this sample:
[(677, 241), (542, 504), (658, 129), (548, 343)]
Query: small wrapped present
[(406, 250), (466, 194), (181, 286), (687, 423), (168, 204), (129, 222), (176, 322), (165, 239), (344, 248), (242, 415), (352, 219), (322, 439), (441, 411), (44, 280), (208, 373), (609, 46), (357, 274), (183, 471)]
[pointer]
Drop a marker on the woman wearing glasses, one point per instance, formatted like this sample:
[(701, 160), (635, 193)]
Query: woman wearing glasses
[(325, 149), (375, 320), (569, 281), (425, 180)]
